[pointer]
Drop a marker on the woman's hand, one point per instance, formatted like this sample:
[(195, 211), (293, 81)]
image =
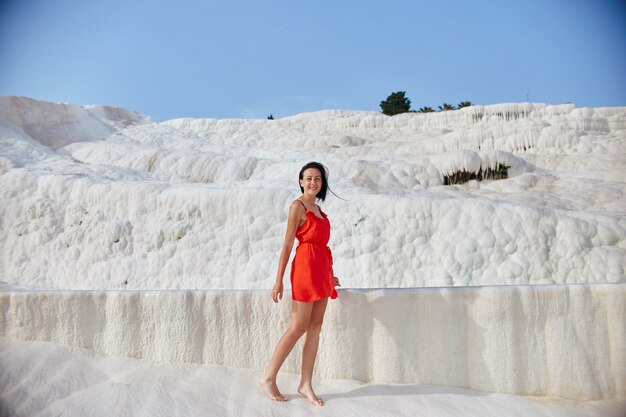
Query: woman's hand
[(277, 292), (337, 284)]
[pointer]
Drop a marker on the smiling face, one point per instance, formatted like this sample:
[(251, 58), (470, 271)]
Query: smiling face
[(311, 182)]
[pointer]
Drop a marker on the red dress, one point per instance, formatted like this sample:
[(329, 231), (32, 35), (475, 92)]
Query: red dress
[(312, 276)]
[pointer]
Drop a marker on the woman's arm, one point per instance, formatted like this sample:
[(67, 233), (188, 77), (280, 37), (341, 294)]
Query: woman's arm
[(297, 216)]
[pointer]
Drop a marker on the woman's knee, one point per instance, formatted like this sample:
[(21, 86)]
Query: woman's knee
[(298, 329), (315, 325)]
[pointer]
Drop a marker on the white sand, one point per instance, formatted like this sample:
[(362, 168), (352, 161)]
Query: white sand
[(44, 379)]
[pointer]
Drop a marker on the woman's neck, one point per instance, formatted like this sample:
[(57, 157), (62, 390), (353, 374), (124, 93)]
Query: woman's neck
[(308, 200)]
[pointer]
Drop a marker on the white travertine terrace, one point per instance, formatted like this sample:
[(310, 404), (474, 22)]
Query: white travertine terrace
[(108, 199), (558, 340), (158, 240)]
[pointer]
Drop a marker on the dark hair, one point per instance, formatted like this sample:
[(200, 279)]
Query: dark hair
[(322, 169)]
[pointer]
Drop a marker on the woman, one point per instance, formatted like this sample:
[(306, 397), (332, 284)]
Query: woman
[(312, 281)]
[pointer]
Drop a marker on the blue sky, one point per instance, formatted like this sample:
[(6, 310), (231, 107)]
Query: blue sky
[(223, 59)]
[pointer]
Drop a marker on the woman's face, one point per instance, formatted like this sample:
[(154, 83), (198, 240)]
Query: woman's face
[(311, 181)]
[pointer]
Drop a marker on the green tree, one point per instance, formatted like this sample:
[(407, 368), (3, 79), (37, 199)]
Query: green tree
[(464, 104), (446, 107), (425, 110), (396, 103)]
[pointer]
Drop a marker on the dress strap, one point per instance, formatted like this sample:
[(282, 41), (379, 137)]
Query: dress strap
[(318, 207)]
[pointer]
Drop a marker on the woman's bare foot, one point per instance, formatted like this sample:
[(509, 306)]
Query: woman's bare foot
[(271, 390), (307, 391)]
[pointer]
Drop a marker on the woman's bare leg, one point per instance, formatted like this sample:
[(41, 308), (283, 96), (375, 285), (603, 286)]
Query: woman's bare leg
[(309, 350), (300, 317)]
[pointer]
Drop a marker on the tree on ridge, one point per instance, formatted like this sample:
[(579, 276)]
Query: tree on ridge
[(396, 103), (446, 107)]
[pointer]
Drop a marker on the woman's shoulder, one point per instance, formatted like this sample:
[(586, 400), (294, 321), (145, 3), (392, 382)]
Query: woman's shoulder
[(297, 205)]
